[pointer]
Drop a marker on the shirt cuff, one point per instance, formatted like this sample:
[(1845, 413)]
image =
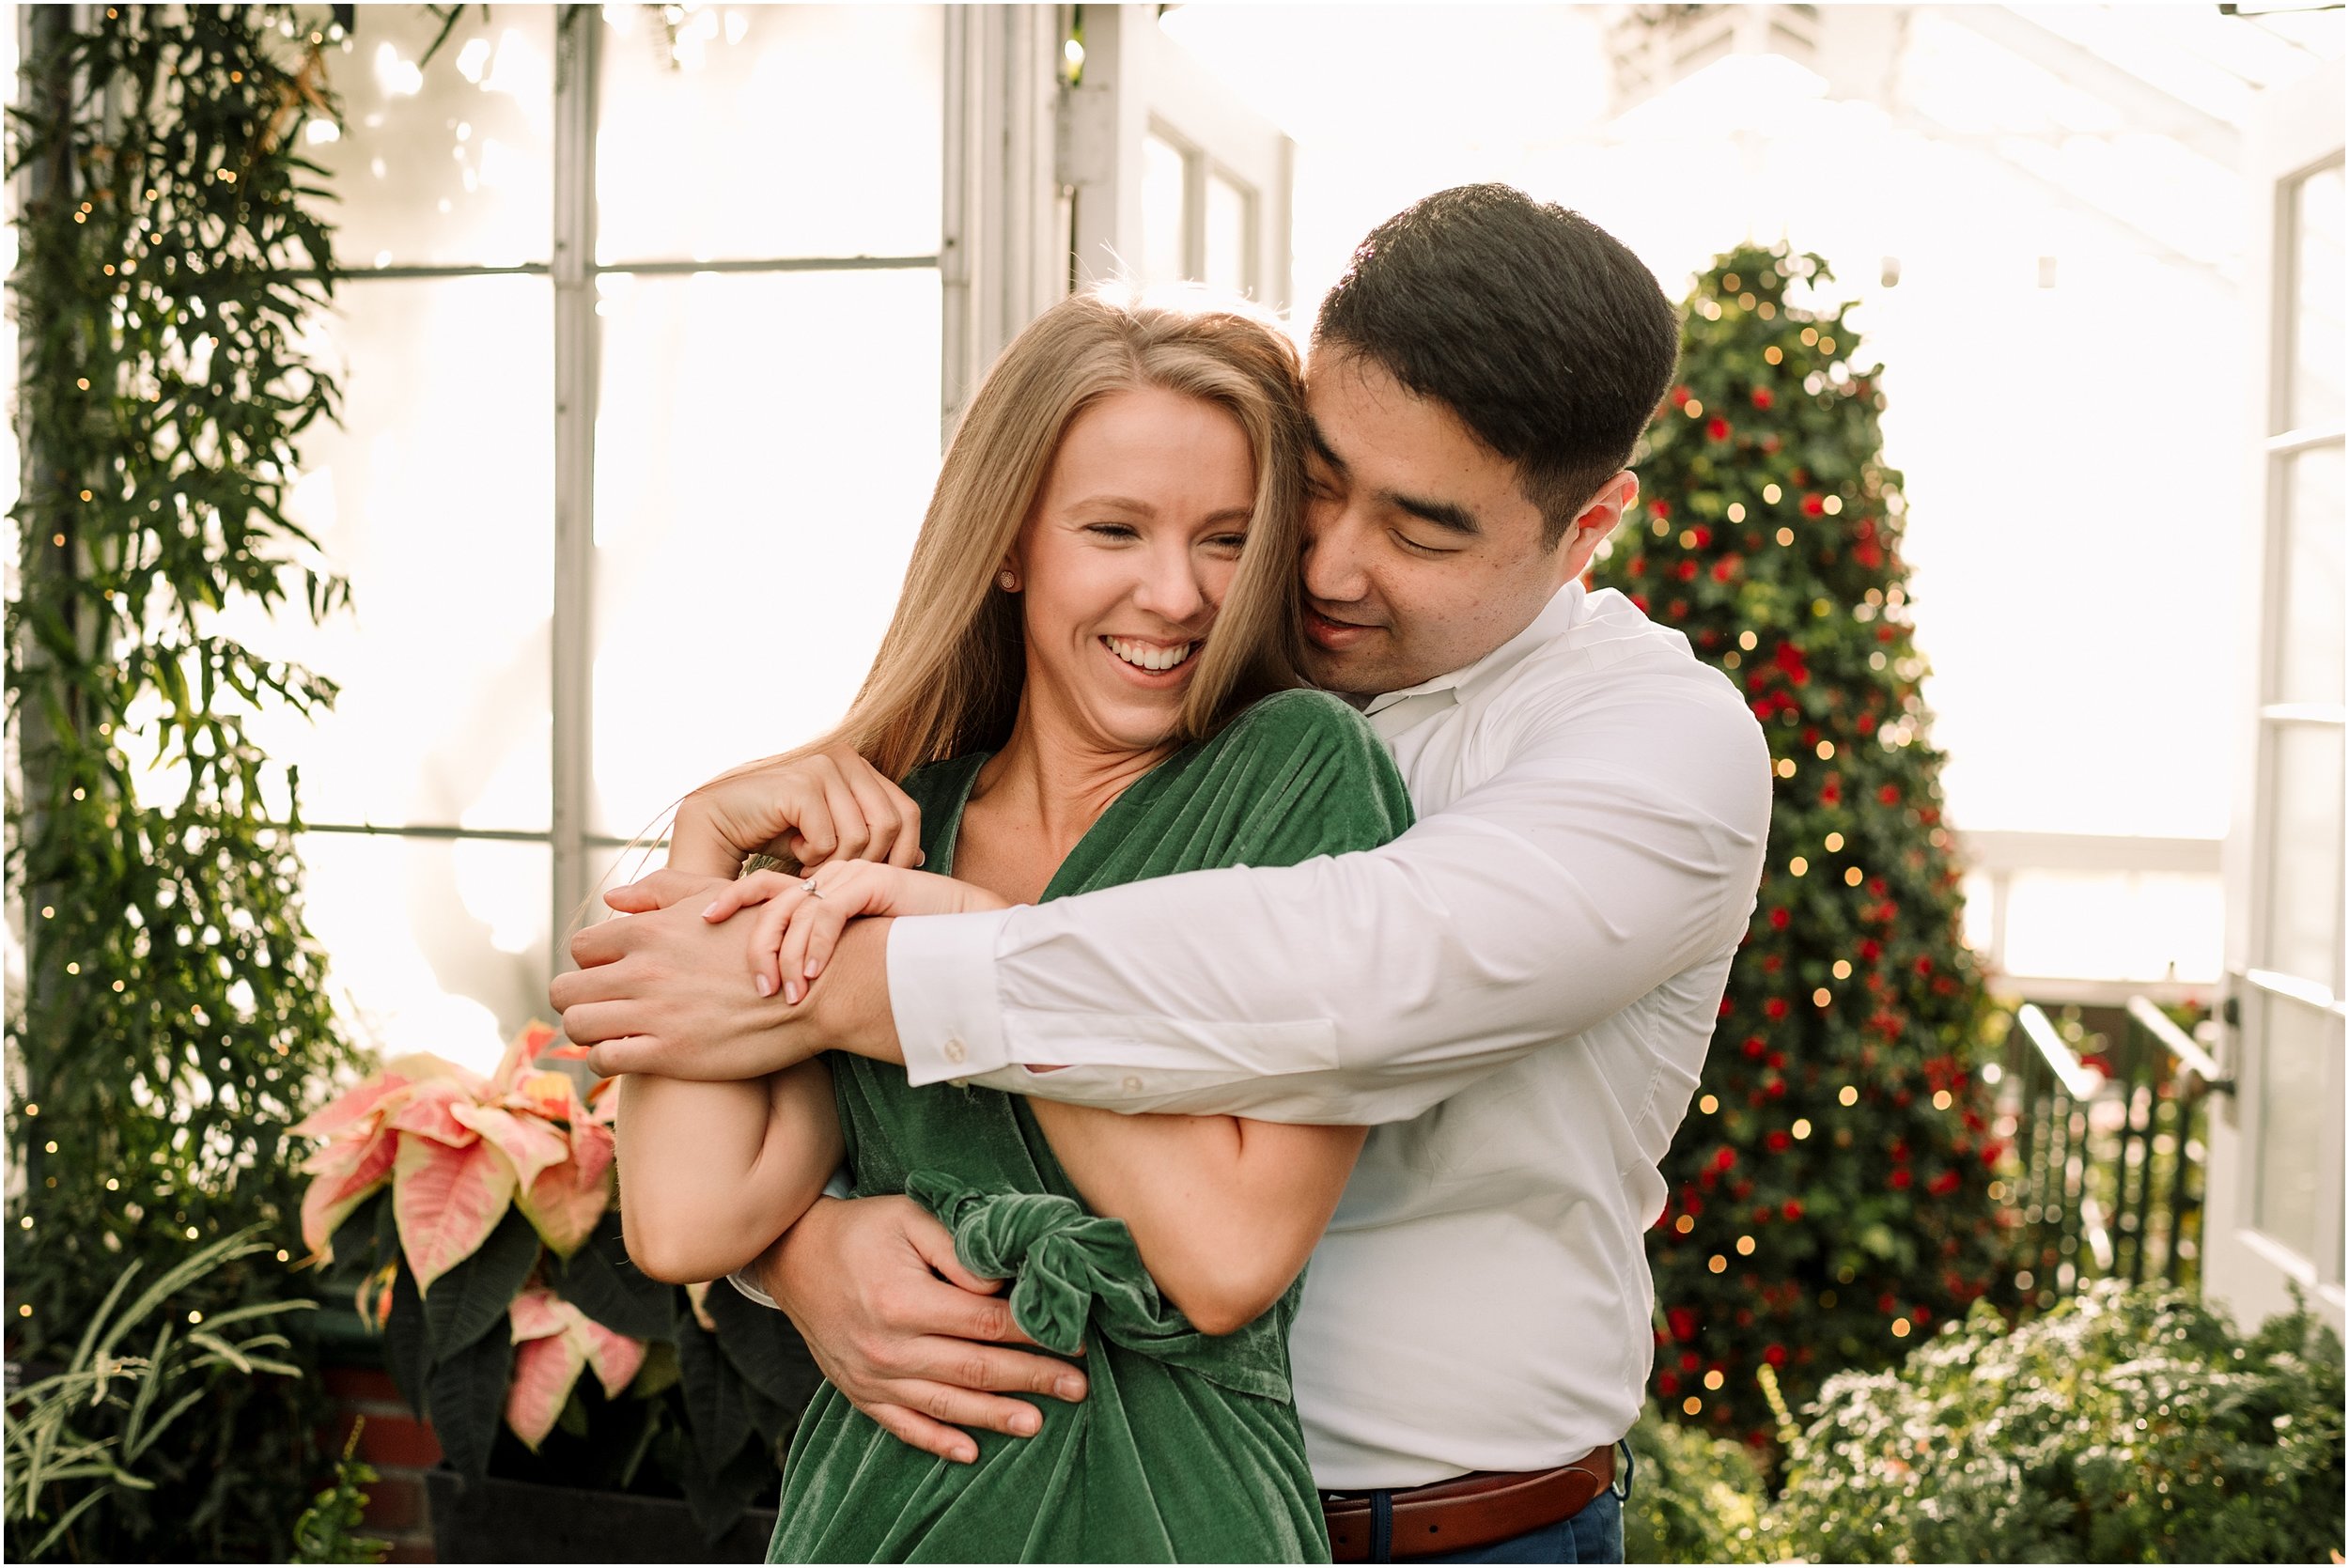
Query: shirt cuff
[(739, 1280), (942, 993)]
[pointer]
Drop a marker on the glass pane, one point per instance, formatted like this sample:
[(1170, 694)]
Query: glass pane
[(2304, 855), (2298, 1094), (2308, 645), (769, 131), (1228, 234), (764, 448), (1162, 212), (436, 499), (2316, 316), (432, 944), (451, 164), (2114, 925)]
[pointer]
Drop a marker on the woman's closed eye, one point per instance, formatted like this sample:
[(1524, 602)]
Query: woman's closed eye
[(1119, 531)]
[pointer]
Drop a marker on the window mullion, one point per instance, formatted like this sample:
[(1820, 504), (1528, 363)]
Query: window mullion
[(575, 390)]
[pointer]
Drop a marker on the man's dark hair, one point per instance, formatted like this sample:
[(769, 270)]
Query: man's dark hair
[(1539, 328)]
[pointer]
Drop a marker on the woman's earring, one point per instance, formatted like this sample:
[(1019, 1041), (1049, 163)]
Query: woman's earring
[(1010, 583)]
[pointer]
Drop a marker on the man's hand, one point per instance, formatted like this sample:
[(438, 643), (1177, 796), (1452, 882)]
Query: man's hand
[(829, 805), (668, 993), (860, 1279)]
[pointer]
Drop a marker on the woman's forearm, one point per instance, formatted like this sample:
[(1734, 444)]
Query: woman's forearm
[(710, 1173), (1224, 1211)]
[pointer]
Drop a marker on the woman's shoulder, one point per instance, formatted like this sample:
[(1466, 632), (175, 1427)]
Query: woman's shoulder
[(1303, 714), (1311, 743)]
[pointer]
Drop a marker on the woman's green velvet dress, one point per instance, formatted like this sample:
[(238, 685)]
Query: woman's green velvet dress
[(1186, 1447)]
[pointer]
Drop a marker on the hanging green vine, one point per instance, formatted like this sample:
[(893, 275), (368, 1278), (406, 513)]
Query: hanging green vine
[(174, 1019)]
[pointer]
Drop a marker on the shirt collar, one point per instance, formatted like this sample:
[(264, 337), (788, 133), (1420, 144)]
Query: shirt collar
[(1557, 617)]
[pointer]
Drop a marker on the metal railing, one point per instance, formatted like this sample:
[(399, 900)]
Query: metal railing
[(2105, 1113)]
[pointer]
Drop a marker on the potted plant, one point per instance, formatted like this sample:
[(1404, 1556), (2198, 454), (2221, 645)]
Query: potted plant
[(472, 1220)]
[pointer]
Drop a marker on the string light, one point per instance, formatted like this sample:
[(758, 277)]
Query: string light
[(1745, 1246), (73, 968), (1785, 535), (1797, 865), (50, 1147), (1746, 641), (1786, 768), (1688, 539), (1737, 511), (1708, 1105), (1684, 1224), (1834, 841), (31, 1110), (1941, 1099), (1692, 1405), (1770, 493), (1847, 1095), (1802, 1127), (1826, 751), (1713, 1378), (1718, 1264), (1821, 997), (1834, 506), (1851, 876), (1900, 1328), (1842, 968)]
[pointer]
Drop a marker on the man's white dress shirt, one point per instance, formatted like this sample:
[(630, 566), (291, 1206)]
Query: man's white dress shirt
[(1518, 992)]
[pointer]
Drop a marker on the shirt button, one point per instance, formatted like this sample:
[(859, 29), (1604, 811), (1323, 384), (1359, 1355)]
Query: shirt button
[(953, 1050), (1133, 1084)]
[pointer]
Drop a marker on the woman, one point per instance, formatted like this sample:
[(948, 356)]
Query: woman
[(1086, 682)]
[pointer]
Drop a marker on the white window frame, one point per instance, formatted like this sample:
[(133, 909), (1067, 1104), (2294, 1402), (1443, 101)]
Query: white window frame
[(2297, 130)]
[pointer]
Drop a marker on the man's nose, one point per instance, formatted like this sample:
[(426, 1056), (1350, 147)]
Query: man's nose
[(1334, 559)]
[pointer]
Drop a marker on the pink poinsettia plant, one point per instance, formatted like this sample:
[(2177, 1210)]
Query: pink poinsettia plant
[(474, 1217), (459, 1151)]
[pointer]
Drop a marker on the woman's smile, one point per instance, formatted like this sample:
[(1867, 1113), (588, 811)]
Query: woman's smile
[(1152, 662)]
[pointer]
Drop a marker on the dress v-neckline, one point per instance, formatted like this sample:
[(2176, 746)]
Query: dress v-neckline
[(952, 835)]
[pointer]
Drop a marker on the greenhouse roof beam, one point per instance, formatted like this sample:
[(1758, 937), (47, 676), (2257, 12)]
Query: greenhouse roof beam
[(2083, 68)]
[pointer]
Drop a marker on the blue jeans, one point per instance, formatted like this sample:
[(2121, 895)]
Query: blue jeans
[(1593, 1535)]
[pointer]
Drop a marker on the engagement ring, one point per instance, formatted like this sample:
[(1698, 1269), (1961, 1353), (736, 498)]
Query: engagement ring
[(810, 889)]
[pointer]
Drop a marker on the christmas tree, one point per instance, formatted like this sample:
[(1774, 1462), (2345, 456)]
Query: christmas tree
[(1829, 1193)]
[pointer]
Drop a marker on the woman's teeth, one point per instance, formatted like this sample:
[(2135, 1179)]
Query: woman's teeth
[(1146, 656)]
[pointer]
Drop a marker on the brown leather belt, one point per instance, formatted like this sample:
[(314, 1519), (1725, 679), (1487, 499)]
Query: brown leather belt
[(1469, 1511)]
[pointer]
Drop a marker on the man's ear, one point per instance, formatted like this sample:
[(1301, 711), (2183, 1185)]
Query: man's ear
[(1597, 519)]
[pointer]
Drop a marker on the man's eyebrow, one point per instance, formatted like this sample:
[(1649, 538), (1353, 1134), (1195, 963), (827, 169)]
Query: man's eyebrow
[(1448, 515), (1322, 449)]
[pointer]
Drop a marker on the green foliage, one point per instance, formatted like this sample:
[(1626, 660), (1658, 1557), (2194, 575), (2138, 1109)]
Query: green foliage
[(1829, 1194), (2123, 1426), (1694, 1497), (328, 1530), (707, 1417), (82, 1443), (175, 1020)]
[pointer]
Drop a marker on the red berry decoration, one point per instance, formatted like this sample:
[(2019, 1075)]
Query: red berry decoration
[(1791, 584)]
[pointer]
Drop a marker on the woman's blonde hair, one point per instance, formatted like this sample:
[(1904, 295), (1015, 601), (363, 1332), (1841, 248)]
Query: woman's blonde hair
[(948, 675)]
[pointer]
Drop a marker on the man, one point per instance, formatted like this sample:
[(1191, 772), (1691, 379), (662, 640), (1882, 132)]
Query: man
[(1517, 993)]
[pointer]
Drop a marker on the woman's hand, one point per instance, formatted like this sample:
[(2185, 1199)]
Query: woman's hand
[(826, 806), (801, 918)]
